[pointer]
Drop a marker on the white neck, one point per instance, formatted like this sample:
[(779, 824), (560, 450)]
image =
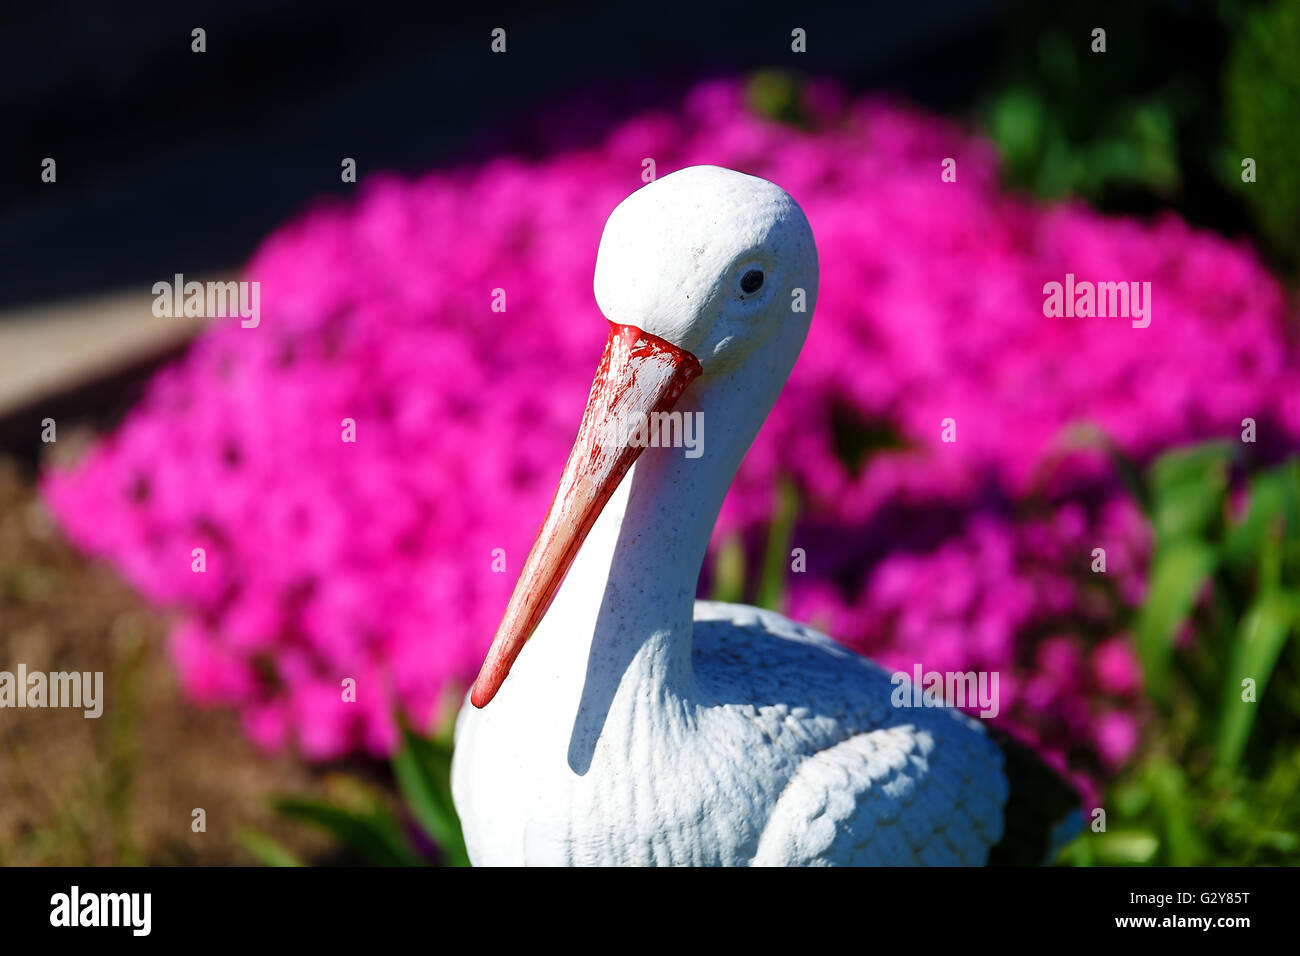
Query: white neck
[(629, 596)]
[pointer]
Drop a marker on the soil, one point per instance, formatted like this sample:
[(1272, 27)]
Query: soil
[(123, 788)]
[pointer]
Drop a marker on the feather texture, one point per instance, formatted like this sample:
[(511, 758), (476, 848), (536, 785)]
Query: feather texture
[(761, 768)]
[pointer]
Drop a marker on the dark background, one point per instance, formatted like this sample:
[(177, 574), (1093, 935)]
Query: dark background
[(172, 161)]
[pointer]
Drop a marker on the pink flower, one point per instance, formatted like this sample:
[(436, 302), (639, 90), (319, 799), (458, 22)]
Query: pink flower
[(1116, 736), (1115, 667)]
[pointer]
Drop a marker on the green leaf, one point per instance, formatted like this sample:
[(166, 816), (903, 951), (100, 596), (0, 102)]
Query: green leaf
[(1290, 473), (423, 771), (1259, 641), (1130, 799), (1187, 464), (267, 849), (1281, 841), (1174, 807), (1124, 847), (375, 834), (1017, 121), (729, 571), (1266, 510), (771, 587), (1178, 573), (777, 95), (1187, 489)]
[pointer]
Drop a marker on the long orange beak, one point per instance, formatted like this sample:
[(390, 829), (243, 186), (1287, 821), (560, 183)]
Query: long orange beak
[(639, 374)]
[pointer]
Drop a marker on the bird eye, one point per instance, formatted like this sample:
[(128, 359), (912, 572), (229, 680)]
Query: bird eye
[(751, 281)]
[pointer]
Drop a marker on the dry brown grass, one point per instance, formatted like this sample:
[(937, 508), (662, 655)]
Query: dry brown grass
[(120, 789)]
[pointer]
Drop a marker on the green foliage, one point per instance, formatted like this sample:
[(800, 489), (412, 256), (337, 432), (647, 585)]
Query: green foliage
[(423, 771), (1134, 148), (1218, 778), (266, 849), (366, 827), (1261, 91), (1185, 492), (771, 586), (1255, 652), (372, 832), (733, 584), (1071, 121), (1162, 118), (729, 570), (1178, 573), (776, 94)]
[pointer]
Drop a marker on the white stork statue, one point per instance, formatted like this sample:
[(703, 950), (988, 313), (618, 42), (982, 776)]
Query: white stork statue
[(640, 726)]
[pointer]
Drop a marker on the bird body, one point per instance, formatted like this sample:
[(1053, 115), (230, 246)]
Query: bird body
[(776, 746), (637, 725)]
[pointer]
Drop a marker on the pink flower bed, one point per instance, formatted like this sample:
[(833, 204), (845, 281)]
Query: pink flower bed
[(373, 559)]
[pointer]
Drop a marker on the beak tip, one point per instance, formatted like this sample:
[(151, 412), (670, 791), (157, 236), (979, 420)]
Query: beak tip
[(482, 693)]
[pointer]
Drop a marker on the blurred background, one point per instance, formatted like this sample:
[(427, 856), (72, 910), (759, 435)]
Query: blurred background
[(1160, 675)]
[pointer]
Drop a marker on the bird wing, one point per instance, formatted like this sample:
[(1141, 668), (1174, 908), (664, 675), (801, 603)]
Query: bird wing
[(889, 797), (874, 784)]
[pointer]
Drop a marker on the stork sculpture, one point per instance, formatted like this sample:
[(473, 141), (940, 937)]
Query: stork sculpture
[(637, 725)]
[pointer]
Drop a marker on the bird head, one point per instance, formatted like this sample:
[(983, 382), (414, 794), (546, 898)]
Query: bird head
[(707, 259)]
